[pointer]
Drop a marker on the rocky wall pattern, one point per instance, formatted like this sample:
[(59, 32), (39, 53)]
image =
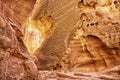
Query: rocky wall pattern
[(83, 43), (96, 43)]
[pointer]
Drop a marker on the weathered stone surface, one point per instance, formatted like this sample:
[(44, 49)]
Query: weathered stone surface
[(111, 74), (96, 43), (66, 17), (36, 31), (98, 30), (90, 54), (91, 26), (15, 61), (17, 11)]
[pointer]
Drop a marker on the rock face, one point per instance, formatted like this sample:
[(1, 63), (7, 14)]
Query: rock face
[(80, 39), (92, 56), (15, 61), (98, 37), (94, 23), (53, 48), (61, 75)]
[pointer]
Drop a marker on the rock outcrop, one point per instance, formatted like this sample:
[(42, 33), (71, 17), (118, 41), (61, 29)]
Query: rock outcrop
[(15, 61), (99, 36), (94, 23), (54, 46), (78, 39)]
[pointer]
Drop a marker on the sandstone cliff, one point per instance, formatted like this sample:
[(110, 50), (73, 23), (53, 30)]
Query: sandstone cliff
[(59, 40)]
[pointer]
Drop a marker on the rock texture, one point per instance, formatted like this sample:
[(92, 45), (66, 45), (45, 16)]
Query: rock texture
[(36, 30), (53, 48), (62, 75), (81, 40), (15, 61), (92, 56), (94, 23), (98, 37)]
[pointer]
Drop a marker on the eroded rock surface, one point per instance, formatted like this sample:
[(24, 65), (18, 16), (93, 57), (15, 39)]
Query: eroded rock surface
[(83, 41), (62, 75), (96, 43), (66, 17), (94, 23), (15, 61)]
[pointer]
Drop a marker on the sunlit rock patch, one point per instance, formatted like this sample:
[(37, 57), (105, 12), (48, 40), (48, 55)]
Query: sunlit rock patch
[(36, 31)]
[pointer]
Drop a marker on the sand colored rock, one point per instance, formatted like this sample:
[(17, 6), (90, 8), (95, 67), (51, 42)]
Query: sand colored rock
[(80, 40), (94, 23)]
